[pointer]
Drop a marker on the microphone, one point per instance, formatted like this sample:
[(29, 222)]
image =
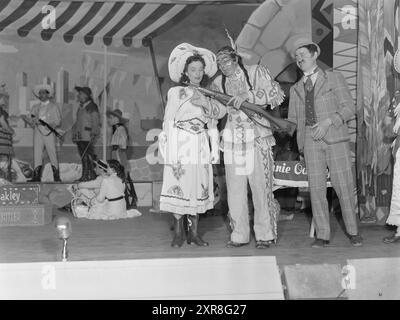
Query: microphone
[(63, 227)]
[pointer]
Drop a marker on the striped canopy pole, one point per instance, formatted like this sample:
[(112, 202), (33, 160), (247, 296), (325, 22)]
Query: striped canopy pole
[(147, 42), (105, 99)]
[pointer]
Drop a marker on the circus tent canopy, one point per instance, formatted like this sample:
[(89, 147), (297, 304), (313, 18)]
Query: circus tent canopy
[(112, 22)]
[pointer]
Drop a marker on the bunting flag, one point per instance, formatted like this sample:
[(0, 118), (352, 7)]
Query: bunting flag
[(100, 96), (114, 77), (122, 77), (84, 61), (101, 70), (148, 82), (89, 60), (111, 75), (135, 79), (95, 65)]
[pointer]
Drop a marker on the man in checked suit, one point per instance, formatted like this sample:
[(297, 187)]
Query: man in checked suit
[(321, 104)]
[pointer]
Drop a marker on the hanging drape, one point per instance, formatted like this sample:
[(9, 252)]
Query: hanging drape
[(377, 40)]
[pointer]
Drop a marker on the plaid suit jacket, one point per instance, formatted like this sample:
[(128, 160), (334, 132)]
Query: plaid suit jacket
[(332, 99)]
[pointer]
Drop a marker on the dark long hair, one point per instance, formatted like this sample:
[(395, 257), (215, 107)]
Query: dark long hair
[(184, 80), (232, 53), (118, 168)]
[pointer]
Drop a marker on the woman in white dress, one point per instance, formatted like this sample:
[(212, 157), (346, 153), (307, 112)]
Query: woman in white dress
[(393, 130), (189, 127)]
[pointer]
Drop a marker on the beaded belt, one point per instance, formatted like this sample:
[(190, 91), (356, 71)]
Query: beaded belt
[(194, 126)]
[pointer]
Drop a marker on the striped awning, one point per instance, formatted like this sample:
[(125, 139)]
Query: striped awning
[(111, 22)]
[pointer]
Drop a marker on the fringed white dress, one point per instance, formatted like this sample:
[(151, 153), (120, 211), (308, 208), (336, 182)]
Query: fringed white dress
[(188, 175)]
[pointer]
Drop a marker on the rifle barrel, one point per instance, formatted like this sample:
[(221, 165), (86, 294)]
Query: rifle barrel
[(278, 123)]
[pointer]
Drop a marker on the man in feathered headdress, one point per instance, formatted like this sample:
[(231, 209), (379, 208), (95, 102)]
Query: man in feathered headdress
[(247, 146)]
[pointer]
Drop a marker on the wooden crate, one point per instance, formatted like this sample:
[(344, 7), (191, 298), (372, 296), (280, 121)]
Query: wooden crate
[(27, 215), (19, 195)]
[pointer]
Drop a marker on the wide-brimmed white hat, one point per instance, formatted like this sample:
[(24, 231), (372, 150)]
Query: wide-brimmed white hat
[(43, 86), (396, 61), (301, 42), (178, 57)]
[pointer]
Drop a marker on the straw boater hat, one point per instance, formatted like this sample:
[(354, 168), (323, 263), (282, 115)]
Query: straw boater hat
[(43, 86), (182, 52), (396, 61), (117, 113), (300, 43)]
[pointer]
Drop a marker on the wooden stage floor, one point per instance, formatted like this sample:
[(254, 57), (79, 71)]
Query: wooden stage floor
[(149, 236)]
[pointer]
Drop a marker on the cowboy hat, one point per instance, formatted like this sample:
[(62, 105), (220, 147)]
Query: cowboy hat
[(117, 113), (178, 57), (43, 86), (301, 42), (85, 90), (396, 61)]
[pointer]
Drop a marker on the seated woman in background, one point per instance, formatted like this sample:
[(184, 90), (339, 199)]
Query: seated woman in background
[(6, 148), (110, 201), (88, 190), (108, 190)]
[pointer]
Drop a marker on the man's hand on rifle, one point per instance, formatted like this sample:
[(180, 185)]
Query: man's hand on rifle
[(238, 100)]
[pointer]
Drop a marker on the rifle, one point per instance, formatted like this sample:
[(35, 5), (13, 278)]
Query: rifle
[(277, 124), (43, 123)]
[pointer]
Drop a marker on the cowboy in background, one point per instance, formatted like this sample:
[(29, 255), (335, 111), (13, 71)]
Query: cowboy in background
[(86, 131), (321, 104), (119, 138), (119, 147), (43, 137)]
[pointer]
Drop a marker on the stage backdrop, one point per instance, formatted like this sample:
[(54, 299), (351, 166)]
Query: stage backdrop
[(102, 44), (377, 41)]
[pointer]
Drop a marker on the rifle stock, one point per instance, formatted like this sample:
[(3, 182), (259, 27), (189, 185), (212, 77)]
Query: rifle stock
[(278, 124)]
